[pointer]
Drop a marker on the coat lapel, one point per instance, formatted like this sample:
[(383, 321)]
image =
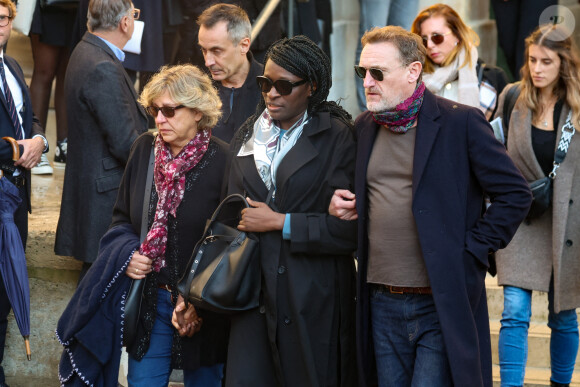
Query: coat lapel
[(365, 141), (303, 151), (520, 142), (427, 129), (562, 189)]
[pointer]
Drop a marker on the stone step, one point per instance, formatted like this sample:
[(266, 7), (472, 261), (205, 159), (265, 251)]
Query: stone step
[(538, 345), (535, 377)]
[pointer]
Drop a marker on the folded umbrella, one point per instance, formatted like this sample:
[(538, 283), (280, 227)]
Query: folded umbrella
[(12, 258)]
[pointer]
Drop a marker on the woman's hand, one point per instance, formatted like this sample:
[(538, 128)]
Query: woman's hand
[(260, 218), (343, 205), (185, 320), (139, 266)]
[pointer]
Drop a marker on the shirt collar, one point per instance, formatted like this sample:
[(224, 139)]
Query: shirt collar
[(116, 50)]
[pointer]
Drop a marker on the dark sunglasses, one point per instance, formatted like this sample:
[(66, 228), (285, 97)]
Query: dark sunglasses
[(435, 37), (283, 87), (167, 111), (361, 72)]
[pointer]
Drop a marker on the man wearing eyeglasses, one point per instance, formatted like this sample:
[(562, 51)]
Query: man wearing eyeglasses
[(17, 121), (104, 119), (224, 38), (423, 165)]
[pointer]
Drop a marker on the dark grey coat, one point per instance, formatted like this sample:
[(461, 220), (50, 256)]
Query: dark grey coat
[(104, 119), (552, 241)]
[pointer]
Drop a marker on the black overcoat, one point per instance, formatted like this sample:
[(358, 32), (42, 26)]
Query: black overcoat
[(456, 159), (303, 334)]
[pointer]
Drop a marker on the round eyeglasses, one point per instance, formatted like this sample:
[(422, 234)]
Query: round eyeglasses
[(283, 86), (5, 20)]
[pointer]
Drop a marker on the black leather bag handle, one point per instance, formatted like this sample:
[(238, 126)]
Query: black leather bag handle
[(193, 262)]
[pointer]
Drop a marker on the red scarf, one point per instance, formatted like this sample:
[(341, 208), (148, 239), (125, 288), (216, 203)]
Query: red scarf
[(169, 175)]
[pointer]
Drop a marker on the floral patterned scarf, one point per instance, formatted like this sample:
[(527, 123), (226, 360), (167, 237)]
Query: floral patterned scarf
[(169, 175), (403, 116)]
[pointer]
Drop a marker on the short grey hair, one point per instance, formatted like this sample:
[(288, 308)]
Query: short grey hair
[(238, 23), (105, 15)]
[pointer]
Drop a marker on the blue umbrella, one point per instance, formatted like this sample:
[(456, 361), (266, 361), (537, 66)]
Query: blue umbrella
[(13, 261)]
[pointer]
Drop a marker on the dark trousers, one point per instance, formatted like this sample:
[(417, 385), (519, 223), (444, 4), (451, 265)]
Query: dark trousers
[(21, 221), (516, 20)]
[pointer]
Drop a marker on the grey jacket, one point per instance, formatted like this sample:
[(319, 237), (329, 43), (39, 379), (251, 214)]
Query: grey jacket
[(104, 119), (551, 242)]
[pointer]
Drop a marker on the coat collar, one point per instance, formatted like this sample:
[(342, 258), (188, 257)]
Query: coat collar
[(302, 153), (96, 41)]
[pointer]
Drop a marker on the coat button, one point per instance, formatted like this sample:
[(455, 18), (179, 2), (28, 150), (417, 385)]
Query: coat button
[(262, 309), (569, 243), (287, 321), (281, 269), (571, 202)]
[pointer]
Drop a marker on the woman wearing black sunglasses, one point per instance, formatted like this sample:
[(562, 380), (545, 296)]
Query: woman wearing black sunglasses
[(288, 159), (187, 178), (451, 54)]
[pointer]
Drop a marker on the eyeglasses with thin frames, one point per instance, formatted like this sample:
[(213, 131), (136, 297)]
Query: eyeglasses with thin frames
[(136, 13), (283, 86), (167, 111), (361, 72), (5, 20), (435, 37)]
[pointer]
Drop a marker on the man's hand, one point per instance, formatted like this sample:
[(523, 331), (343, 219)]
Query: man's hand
[(185, 320), (343, 205), (260, 218), (33, 148)]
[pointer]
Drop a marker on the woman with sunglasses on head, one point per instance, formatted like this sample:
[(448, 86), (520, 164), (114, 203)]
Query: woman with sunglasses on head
[(288, 159), (451, 54), (544, 254), (187, 177)]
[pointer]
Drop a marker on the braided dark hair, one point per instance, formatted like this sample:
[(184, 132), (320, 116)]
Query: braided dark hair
[(303, 58)]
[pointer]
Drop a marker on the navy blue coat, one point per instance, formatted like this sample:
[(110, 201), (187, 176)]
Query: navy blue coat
[(456, 160), (30, 123)]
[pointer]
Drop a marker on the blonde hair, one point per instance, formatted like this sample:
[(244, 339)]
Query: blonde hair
[(188, 86), (467, 37), (557, 39)]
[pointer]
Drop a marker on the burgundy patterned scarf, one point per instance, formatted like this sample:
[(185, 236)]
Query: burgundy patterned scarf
[(169, 174), (403, 116)]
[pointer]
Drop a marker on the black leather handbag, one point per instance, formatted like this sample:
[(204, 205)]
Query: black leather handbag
[(542, 188), (224, 271), (135, 293)]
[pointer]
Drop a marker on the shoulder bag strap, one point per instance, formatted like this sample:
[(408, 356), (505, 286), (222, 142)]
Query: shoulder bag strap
[(509, 103), (568, 131), (147, 197)]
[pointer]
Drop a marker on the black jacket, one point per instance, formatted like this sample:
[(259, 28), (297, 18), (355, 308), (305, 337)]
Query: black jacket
[(237, 110), (303, 334)]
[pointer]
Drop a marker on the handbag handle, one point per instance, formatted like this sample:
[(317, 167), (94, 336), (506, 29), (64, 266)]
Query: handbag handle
[(225, 201), (193, 263)]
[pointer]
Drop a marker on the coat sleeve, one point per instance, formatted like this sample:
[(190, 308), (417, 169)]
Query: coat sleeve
[(105, 92), (322, 233), (500, 179)]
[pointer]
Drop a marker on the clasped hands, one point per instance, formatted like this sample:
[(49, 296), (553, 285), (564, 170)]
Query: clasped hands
[(185, 318), (343, 205)]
